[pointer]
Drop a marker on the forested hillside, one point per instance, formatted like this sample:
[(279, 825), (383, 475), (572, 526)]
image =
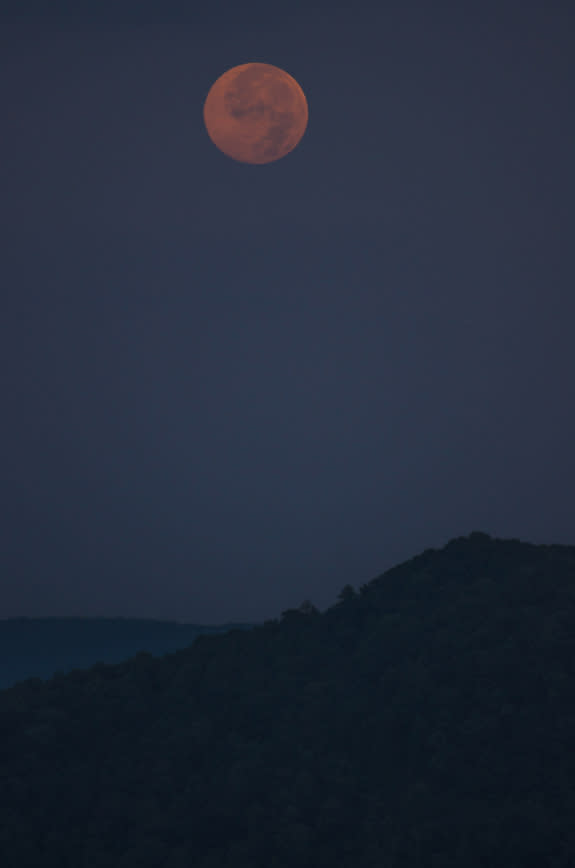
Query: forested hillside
[(426, 719)]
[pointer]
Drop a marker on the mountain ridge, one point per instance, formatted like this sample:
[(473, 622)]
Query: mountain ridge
[(427, 718), (39, 647)]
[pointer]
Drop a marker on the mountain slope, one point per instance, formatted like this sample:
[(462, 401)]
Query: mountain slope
[(427, 719)]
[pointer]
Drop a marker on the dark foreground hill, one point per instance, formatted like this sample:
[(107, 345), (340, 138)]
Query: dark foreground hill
[(41, 647), (426, 720)]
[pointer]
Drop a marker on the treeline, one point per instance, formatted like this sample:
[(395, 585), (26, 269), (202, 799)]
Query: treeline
[(426, 719)]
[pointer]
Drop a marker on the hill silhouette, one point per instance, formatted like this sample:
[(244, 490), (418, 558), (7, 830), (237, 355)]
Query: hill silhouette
[(41, 647), (426, 719)]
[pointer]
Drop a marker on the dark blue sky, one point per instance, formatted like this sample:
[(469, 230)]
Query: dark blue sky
[(228, 388)]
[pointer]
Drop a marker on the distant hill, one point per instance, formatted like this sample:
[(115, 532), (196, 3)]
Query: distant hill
[(40, 647), (425, 719)]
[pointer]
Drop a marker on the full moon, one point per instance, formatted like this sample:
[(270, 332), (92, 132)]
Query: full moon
[(255, 113)]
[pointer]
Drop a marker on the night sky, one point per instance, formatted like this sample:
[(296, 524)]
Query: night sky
[(229, 388)]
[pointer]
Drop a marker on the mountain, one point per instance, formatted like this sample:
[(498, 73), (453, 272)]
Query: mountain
[(41, 647), (426, 719)]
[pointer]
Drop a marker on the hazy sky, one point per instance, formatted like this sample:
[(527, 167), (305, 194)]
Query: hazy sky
[(228, 388)]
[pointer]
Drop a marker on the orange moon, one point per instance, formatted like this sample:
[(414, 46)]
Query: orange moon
[(255, 113)]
